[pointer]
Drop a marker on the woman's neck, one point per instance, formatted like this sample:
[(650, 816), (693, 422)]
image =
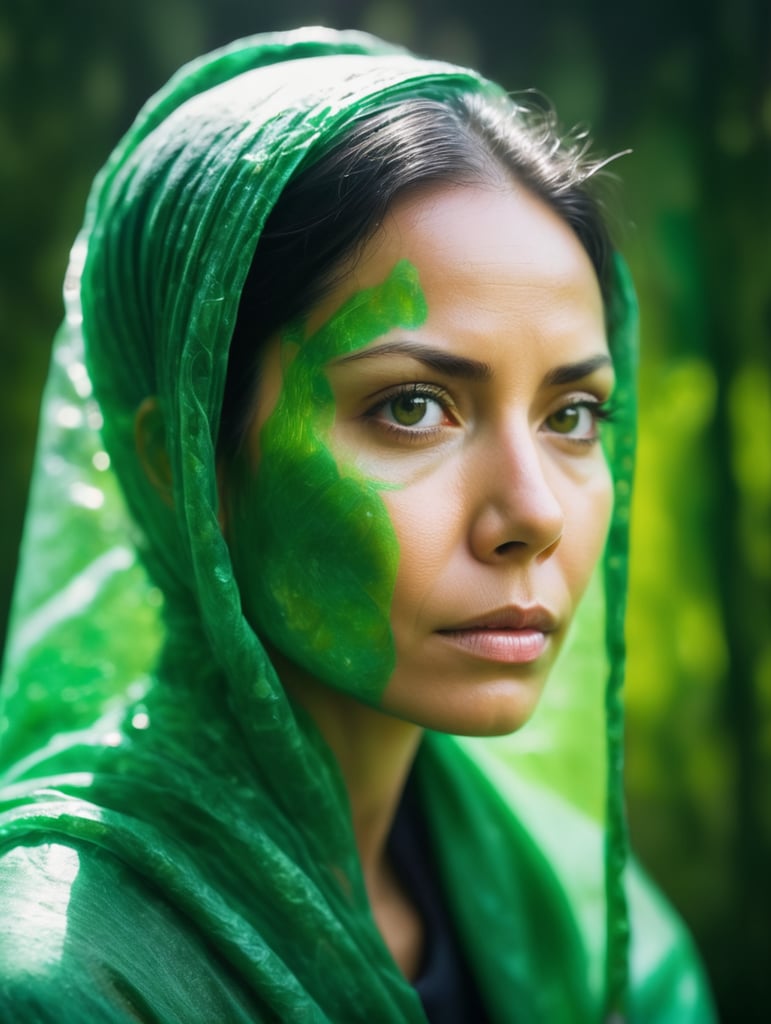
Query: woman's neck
[(375, 752)]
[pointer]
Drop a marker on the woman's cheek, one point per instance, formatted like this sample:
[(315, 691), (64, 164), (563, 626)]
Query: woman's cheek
[(313, 547), (316, 557)]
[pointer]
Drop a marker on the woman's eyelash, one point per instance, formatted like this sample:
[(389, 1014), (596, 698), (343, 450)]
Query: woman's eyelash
[(415, 389), (604, 411)]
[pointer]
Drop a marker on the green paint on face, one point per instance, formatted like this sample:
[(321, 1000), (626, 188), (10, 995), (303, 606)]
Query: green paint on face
[(313, 547)]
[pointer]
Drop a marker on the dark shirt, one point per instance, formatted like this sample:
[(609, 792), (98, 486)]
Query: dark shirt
[(444, 982)]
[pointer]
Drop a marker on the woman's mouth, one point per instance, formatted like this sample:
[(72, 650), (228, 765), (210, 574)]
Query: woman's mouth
[(510, 635)]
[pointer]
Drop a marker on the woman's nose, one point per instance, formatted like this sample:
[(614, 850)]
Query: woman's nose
[(517, 512)]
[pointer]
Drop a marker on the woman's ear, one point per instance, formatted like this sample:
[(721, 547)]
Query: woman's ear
[(150, 441)]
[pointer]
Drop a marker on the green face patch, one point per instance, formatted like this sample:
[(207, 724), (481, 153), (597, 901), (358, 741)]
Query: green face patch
[(312, 544)]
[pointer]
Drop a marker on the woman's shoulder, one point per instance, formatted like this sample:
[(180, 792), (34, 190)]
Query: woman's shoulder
[(35, 886), (85, 938), (42, 940)]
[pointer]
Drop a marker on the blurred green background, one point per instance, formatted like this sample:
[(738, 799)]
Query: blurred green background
[(686, 87)]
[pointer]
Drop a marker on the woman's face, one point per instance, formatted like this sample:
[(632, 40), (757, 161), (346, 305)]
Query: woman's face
[(425, 460)]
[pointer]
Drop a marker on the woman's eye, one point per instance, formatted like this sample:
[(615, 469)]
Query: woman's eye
[(578, 420), (412, 408)]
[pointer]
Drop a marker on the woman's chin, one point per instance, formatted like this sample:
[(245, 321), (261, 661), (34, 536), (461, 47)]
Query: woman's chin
[(493, 709)]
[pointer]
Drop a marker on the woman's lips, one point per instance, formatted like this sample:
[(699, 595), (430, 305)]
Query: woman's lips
[(512, 646), (507, 635)]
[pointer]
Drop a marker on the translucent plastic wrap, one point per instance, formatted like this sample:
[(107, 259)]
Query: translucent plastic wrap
[(161, 795)]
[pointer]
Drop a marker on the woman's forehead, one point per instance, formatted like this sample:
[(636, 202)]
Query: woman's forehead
[(480, 252)]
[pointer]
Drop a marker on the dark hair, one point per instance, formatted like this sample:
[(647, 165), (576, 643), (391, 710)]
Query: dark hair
[(330, 208)]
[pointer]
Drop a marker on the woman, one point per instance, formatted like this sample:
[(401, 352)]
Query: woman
[(352, 322)]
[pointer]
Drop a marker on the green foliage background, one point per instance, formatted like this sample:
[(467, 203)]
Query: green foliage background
[(686, 87)]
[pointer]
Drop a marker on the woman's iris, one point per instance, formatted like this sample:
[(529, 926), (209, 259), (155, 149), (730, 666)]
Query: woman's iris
[(573, 419), (408, 410), (566, 420)]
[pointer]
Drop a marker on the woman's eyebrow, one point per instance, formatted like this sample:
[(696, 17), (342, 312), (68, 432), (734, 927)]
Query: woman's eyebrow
[(571, 372), (435, 358)]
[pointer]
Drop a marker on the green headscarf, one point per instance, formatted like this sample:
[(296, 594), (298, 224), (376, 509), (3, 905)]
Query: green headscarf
[(146, 735)]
